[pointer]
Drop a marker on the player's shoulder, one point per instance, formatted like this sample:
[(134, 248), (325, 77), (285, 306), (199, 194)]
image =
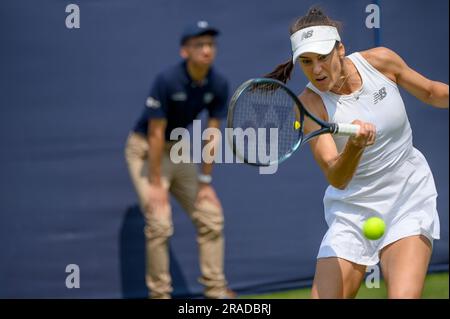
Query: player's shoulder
[(379, 55), (308, 97), (383, 59), (313, 102)]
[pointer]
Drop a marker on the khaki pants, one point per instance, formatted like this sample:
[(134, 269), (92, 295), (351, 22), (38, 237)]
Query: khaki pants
[(181, 181)]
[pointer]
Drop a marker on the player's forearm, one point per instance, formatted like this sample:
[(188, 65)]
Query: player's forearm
[(209, 152), (341, 170), (156, 148), (438, 95), (207, 168), (211, 146)]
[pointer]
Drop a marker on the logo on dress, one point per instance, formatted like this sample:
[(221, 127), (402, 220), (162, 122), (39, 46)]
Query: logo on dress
[(152, 103), (378, 96), (208, 97)]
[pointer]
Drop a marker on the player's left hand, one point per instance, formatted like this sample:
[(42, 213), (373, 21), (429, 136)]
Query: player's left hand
[(207, 192)]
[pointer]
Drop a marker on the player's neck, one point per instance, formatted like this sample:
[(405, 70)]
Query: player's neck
[(197, 72), (349, 80)]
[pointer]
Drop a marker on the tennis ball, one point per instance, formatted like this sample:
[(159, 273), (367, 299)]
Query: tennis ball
[(373, 228), (296, 125)]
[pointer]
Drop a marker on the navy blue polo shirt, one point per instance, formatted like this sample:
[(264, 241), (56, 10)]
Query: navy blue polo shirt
[(177, 98)]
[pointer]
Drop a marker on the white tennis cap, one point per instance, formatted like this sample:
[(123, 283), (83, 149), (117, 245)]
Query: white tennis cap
[(318, 39)]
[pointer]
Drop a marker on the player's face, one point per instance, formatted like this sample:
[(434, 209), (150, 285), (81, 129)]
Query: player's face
[(322, 70), (200, 50)]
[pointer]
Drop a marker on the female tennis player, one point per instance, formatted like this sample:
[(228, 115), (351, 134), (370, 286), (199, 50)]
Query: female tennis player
[(377, 172)]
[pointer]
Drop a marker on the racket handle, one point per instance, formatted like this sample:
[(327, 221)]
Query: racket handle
[(347, 129)]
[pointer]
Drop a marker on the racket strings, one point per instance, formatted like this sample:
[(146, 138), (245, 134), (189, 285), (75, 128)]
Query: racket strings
[(268, 116)]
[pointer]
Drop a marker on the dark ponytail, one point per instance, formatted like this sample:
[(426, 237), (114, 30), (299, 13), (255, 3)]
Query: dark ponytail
[(314, 17), (282, 72)]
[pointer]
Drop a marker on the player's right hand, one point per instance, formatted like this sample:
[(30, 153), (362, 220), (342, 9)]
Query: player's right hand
[(366, 135), (158, 197)]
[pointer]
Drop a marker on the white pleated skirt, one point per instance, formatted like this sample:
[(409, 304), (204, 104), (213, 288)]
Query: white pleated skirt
[(404, 197)]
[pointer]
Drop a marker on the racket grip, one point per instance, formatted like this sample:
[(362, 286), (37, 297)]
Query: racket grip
[(347, 129)]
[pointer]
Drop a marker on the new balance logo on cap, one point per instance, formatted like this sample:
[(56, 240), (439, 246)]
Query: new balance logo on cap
[(307, 35), (378, 96)]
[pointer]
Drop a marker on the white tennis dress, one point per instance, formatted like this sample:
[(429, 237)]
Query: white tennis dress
[(393, 180)]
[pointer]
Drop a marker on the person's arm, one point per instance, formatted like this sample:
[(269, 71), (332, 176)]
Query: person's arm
[(393, 66), (206, 191), (338, 168), (211, 145), (158, 194), (217, 110), (156, 142)]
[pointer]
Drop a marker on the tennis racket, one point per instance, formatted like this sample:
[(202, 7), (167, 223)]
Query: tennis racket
[(266, 123)]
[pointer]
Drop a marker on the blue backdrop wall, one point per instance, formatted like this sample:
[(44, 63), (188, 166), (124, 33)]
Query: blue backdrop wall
[(68, 98)]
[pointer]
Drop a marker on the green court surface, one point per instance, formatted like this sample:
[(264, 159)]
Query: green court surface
[(436, 287)]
